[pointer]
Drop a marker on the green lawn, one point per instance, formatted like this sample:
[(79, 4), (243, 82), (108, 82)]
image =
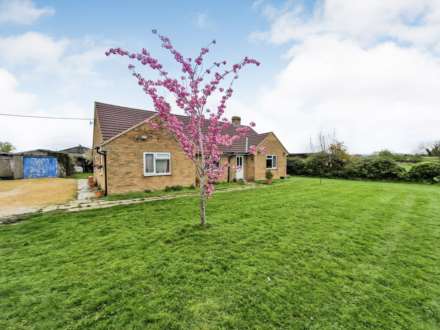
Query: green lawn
[(296, 255), (181, 190)]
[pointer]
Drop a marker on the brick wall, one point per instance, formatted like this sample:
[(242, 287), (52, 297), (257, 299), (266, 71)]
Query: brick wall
[(273, 147), (125, 163), (98, 162)]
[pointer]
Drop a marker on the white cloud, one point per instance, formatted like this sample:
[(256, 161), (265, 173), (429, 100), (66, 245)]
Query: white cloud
[(415, 22), (43, 53), (202, 21), (348, 71), (12, 99), (32, 48), (22, 11), (62, 75), (29, 133)]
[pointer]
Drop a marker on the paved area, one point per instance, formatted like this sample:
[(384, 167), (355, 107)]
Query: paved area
[(30, 195), (85, 193)]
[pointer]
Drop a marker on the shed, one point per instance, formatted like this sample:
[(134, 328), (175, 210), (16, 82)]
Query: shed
[(81, 158), (43, 163), (11, 166)]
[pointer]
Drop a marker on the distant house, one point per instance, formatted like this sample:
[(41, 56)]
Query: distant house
[(129, 155), (81, 158)]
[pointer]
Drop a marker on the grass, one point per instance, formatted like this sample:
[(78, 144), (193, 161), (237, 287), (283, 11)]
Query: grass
[(155, 193), (84, 175), (295, 255)]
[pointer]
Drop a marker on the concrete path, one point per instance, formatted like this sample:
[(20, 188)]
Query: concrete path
[(85, 193)]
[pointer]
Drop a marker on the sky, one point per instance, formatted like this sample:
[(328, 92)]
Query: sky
[(367, 72)]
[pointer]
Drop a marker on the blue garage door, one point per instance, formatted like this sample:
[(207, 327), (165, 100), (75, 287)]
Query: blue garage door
[(40, 167)]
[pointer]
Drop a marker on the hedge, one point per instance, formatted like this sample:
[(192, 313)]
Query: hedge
[(370, 168)]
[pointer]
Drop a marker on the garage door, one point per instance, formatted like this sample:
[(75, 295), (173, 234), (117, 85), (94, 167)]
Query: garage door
[(40, 167)]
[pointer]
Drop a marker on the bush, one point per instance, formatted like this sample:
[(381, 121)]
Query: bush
[(173, 188), (426, 172), (316, 164), (328, 164), (296, 166), (374, 169), (408, 158), (269, 175)]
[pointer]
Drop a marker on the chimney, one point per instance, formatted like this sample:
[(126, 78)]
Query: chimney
[(236, 120)]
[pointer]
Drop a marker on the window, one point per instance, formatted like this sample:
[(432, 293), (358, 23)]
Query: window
[(157, 163), (271, 162)]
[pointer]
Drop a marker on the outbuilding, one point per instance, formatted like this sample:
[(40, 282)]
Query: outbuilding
[(38, 163)]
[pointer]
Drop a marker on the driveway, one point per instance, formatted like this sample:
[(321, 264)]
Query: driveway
[(30, 195)]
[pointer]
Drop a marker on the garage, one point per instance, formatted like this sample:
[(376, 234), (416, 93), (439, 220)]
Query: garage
[(40, 167), (35, 164)]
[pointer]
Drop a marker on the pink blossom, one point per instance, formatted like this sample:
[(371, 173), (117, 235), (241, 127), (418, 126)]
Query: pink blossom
[(202, 135)]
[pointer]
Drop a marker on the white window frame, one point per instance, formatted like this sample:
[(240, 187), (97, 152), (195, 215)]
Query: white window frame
[(154, 163), (276, 162)]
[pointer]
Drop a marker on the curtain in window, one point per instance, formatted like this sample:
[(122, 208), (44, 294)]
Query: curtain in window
[(162, 166), (149, 163)]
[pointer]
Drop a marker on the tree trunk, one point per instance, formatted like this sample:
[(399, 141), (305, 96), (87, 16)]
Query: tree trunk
[(202, 210), (202, 202)]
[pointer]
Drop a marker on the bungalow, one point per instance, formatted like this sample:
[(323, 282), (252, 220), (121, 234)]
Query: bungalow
[(129, 155)]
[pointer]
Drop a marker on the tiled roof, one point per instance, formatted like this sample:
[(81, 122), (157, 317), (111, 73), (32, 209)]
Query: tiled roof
[(114, 119), (76, 150)]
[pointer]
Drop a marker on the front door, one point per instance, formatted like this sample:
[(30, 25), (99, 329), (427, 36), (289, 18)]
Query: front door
[(239, 174)]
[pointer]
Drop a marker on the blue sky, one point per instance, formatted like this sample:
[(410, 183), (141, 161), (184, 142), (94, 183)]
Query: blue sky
[(367, 71)]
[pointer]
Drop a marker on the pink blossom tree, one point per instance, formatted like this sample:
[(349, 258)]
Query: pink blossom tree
[(202, 137)]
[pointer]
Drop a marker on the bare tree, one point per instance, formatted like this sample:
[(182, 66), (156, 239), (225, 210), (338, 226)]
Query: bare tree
[(430, 148)]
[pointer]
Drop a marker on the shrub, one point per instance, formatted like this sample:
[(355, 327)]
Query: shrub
[(269, 175), (408, 158), (316, 164), (426, 172), (375, 169), (403, 158), (330, 163), (385, 154), (338, 156), (296, 166), (173, 188)]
